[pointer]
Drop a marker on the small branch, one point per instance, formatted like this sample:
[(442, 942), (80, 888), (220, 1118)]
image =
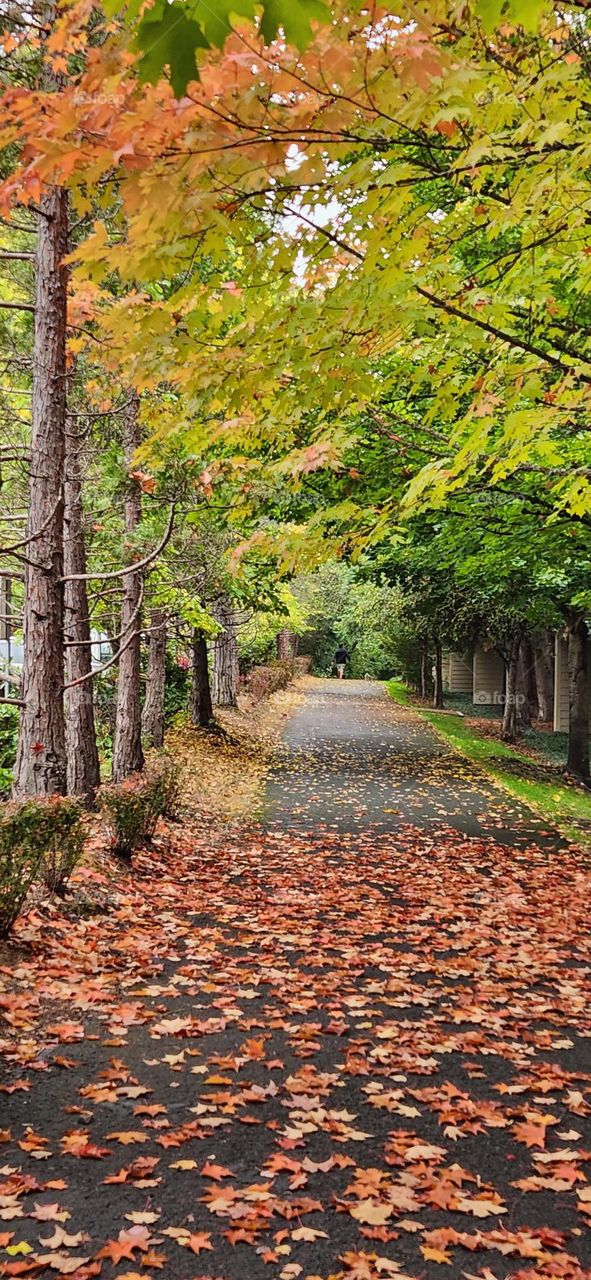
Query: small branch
[(130, 568), (12, 255), (90, 675), (25, 542), (17, 306), (77, 644), (7, 678), (12, 702), (18, 226)]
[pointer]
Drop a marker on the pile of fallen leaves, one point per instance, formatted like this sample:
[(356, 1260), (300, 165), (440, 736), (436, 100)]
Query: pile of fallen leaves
[(226, 769), (303, 1056)]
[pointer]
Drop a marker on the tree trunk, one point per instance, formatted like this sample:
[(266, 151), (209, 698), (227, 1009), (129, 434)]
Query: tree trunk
[(423, 674), (201, 708), (225, 656), (509, 729), (578, 679), (527, 695), (438, 676), (287, 645), (128, 756), (153, 713), (40, 767), (544, 665), (83, 771)]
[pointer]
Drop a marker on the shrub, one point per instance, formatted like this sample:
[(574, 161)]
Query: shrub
[(131, 810), (37, 836), (261, 682), (63, 835), (9, 718), (176, 689), (167, 774)]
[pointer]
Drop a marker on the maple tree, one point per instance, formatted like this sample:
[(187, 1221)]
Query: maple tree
[(411, 192), (309, 342)]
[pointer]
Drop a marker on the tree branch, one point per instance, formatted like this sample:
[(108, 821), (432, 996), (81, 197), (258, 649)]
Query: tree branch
[(17, 306), (24, 542), (6, 677), (130, 568), (509, 338)]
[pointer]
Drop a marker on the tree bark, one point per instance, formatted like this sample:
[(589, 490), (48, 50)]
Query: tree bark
[(544, 665), (438, 676), (423, 674), (578, 679), (509, 729), (201, 706), (40, 767), (225, 656), (527, 695), (83, 770), (128, 756), (153, 712), (287, 645)]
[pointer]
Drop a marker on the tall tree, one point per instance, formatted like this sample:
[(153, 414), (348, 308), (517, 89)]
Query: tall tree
[(128, 756), (578, 674), (153, 711), (201, 705), (225, 654), (41, 756), (83, 769)]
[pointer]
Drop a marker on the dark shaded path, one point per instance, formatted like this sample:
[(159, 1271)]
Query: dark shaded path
[(353, 1045)]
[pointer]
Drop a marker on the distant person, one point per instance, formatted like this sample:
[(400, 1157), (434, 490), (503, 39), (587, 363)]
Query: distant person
[(341, 659)]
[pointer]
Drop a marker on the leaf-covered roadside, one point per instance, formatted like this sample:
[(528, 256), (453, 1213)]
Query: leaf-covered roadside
[(286, 1056)]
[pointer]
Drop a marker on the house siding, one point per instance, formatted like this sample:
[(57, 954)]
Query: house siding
[(488, 677), (458, 674)]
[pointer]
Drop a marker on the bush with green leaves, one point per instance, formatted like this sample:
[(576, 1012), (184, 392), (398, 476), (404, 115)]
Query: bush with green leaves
[(131, 810), (41, 837), (9, 717)]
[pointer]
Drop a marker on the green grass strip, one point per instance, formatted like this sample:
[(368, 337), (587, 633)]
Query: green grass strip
[(563, 806)]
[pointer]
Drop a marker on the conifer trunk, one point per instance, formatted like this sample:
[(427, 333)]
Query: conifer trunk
[(225, 656), (40, 767), (128, 756), (201, 707), (83, 771), (578, 677), (153, 713)]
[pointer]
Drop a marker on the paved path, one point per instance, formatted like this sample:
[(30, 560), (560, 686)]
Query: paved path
[(354, 1043), (354, 760)]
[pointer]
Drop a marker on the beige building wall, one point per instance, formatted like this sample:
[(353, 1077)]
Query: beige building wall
[(457, 673), (488, 677), (560, 724)]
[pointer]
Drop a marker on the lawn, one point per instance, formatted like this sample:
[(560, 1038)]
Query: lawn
[(564, 804)]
